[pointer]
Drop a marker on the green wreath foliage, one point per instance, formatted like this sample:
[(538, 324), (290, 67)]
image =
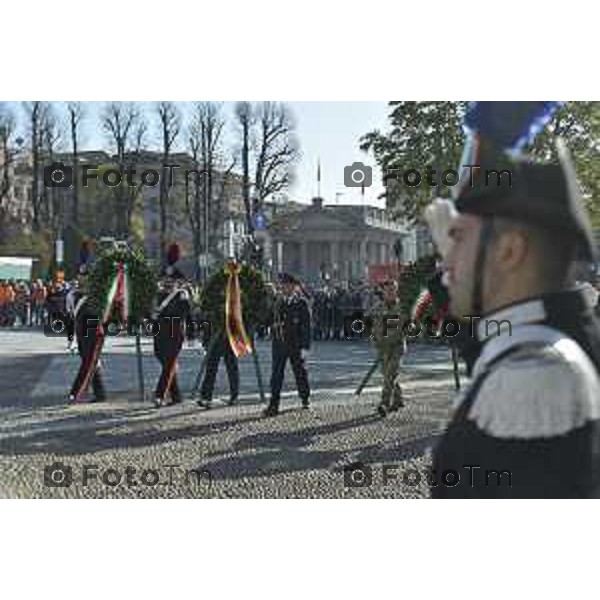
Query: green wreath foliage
[(255, 305), (413, 280), (143, 278)]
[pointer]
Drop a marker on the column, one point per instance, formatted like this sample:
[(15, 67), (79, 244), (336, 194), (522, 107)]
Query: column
[(279, 262), (334, 248), (304, 259), (363, 260), (267, 242)]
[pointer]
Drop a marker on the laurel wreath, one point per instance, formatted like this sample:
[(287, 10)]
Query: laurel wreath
[(254, 295), (142, 276)]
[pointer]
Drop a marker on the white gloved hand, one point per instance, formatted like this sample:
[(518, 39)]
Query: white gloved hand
[(304, 353), (439, 216)]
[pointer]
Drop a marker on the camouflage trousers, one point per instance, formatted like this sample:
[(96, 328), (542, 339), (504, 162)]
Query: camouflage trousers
[(391, 392)]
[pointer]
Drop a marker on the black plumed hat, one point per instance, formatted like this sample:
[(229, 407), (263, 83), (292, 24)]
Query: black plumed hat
[(545, 195)]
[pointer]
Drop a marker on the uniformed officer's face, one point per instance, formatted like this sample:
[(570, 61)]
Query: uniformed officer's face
[(288, 288), (460, 263)]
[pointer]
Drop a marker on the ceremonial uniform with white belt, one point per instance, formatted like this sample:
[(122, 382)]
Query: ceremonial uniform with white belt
[(528, 426), (82, 325), (172, 321)]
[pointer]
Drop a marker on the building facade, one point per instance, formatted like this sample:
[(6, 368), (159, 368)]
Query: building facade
[(337, 243)]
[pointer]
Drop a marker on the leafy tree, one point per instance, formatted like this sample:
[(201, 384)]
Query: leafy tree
[(429, 134), (578, 123), (422, 134)]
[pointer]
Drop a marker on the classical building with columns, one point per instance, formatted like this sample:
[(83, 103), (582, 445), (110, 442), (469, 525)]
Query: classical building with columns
[(335, 242)]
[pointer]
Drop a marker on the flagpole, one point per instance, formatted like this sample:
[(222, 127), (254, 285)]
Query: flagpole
[(319, 179)]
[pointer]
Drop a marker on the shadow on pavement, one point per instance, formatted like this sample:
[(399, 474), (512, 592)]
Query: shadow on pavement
[(18, 378), (39, 439)]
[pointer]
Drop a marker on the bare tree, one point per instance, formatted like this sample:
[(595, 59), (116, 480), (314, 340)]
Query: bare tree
[(43, 133), (125, 128), (49, 139), (34, 110), (277, 151), (76, 113), (170, 121), (7, 130), (245, 117), (268, 142), (206, 214)]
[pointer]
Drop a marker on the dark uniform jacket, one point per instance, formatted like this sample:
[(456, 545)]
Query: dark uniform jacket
[(172, 320), (292, 322), (83, 322), (529, 425)]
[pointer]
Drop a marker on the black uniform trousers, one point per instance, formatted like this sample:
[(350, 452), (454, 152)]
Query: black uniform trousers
[(86, 343), (167, 346), (281, 353), (220, 347)]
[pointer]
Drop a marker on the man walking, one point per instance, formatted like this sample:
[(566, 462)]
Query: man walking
[(82, 327), (291, 341)]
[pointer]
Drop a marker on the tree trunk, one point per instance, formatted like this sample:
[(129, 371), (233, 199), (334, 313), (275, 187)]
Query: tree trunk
[(246, 176), (35, 184), (75, 207)]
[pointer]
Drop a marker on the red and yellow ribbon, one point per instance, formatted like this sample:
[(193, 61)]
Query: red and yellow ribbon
[(234, 324)]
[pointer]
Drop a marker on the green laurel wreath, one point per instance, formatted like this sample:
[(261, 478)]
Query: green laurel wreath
[(255, 304), (142, 280), (413, 280)]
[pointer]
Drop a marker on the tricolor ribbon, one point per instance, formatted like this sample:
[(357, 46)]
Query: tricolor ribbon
[(423, 302), (234, 324), (117, 294)]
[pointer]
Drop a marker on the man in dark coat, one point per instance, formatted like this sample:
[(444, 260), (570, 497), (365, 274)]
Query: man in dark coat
[(291, 341), (171, 320), (82, 327)]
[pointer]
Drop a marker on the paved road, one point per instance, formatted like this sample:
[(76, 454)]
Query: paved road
[(36, 369), (232, 451)]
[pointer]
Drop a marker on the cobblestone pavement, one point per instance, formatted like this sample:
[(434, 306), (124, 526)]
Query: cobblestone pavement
[(123, 448)]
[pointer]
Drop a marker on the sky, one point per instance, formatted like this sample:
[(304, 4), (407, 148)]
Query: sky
[(328, 132)]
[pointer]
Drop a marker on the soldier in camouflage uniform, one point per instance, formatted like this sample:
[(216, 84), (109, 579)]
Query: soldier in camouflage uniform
[(391, 345)]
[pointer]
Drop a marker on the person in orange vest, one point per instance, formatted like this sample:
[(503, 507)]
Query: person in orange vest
[(3, 296), (10, 304)]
